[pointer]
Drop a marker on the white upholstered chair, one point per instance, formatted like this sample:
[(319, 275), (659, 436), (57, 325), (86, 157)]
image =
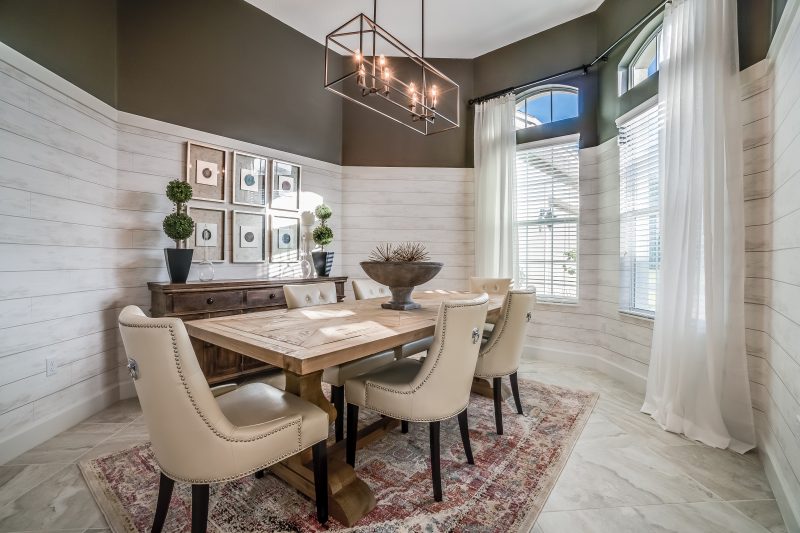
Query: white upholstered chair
[(490, 286), (200, 439), (499, 356), (432, 390), (314, 294)]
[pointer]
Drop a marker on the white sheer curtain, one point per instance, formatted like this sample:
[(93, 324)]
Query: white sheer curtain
[(697, 383), (495, 152)]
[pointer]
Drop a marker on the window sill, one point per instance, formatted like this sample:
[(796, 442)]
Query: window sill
[(642, 315), (545, 301)]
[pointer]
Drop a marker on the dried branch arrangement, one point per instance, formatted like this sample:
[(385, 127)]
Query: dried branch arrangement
[(405, 252)]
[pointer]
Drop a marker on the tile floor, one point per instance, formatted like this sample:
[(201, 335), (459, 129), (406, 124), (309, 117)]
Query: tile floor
[(625, 474)]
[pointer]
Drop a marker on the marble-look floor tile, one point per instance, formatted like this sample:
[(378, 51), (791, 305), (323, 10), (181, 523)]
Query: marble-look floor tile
[(63, 502), (16, 480), (599, 476), (708, 517), (730, 475), (121, 412), (68, 446), (764, 512)]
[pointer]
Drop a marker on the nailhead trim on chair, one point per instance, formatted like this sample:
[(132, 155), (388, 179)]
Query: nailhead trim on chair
[(435, 364), (494, 339), (208, 423)]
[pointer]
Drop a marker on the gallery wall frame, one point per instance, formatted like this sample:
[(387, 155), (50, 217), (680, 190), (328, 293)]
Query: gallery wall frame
[(249, 179), (284, 238), (209, 237), (206, 171), (285, 185), (248, 237)]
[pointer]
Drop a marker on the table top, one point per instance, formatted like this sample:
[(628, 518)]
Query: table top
[(306, 340)]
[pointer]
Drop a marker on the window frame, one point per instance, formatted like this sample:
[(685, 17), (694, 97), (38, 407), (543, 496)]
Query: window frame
[(536, 91), (542, 297), (627, 297), (625, 72)]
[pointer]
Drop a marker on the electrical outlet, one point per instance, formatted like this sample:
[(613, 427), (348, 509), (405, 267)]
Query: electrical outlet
[(52, 366)]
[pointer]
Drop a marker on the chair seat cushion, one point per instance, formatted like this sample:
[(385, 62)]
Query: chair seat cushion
[(415, 347), (256, 403), (382, 390), (339, 374)]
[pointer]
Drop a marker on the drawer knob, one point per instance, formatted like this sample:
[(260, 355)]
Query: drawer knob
[(210, 301), (271, 295)]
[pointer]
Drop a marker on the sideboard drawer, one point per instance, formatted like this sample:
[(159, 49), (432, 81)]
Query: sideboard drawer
[(266, 297), (207, 301)]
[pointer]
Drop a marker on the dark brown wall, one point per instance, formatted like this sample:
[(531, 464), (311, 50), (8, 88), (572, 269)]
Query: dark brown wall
[(76, 39), (226, 67), (369, 139)]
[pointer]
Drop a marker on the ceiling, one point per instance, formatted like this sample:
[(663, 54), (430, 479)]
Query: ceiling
[(453, 28)]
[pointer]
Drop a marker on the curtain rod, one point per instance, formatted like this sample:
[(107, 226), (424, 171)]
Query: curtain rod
[(582, 68)]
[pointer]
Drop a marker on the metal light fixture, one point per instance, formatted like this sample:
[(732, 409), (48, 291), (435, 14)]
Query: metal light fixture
[(369, 66)]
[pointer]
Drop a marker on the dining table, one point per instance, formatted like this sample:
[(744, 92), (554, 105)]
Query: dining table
[(303, 342)]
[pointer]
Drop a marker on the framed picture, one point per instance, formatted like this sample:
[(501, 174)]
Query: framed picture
[(206, 168), (284, 239), (208, 239), (285, 188), (249, 237), (249, 179)]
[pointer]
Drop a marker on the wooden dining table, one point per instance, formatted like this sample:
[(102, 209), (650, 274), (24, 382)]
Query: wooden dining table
[(305, 341)]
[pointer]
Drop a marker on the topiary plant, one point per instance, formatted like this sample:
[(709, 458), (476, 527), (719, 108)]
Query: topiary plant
[(178, 225), (323, 234)]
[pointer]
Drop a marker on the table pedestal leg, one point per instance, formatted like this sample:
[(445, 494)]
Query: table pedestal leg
[(484, 388), (349, 497)]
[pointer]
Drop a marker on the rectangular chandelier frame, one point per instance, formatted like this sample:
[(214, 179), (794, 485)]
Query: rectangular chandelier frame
[(423, 121)]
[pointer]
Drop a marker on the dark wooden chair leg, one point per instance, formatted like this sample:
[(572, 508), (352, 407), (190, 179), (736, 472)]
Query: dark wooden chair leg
[(498, 404), (337, 397), (404, 426), (259, 474), (352, 433), (436, 469), (463, 425), (320, 454), (515, 391), (199, 508), (165, 486)]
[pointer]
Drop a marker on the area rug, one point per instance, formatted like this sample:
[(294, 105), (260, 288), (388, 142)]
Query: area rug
[(504, 491)]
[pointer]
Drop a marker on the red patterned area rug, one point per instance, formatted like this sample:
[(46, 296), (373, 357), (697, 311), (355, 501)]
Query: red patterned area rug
[(504, 491)]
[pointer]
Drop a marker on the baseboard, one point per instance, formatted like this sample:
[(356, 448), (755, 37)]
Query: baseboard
[(787, 502), (632, 379), (49, 427)]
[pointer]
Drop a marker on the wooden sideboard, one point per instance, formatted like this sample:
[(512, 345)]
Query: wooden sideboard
[(206, 299)]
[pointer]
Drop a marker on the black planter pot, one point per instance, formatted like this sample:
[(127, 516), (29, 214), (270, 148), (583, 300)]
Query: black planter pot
[(323, 262), (179, 261)]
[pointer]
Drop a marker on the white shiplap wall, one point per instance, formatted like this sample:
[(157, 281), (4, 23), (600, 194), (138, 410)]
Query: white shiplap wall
[(81, 205), (771, 104), (430, 205)]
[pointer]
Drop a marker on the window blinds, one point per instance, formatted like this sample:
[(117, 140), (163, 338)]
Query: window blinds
[(640, 246), (547, 203)]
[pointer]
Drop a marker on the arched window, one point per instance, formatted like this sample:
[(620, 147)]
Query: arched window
[(642, 59), (543, 105)]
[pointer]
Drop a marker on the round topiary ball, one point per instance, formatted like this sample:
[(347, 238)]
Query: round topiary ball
[(179, 191), (323, 212), (178, 226), (323, 235)]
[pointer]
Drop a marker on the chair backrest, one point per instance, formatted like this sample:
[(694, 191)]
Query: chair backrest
[(184, 421), (365, 289), (500, 355), (490, 285), (310, 294), (442, 387)]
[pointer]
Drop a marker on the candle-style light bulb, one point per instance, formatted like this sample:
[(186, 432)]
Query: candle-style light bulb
[(387, 75), (383, 61), (434, 95), (357, 56), (361, 78)]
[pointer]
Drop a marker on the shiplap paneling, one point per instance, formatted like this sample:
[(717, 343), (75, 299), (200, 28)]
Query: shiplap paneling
[(771, 96), (81, 206)]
